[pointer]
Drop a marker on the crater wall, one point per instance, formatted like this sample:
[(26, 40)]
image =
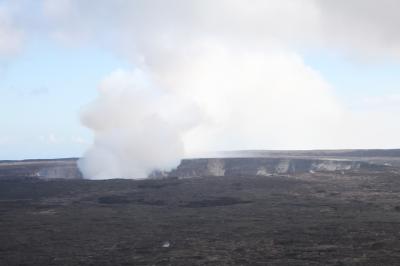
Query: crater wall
[(265, 166), (40, 169)]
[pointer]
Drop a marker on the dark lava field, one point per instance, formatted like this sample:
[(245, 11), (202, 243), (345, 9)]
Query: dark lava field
[(308, 219)]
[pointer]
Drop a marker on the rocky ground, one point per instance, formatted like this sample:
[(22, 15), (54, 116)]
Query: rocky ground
[(333, 218)]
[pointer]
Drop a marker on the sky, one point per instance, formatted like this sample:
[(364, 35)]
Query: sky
[(43, 90), (177, 78)]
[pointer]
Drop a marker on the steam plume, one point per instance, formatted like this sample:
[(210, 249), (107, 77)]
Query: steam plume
[(137, 128), (213, 75)]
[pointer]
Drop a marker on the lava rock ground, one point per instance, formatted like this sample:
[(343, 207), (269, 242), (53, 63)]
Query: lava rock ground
[(321, 219)]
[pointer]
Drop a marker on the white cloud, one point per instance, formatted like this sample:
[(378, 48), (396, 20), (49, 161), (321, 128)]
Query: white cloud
[(367, 28), (364, 27), (11, 36)]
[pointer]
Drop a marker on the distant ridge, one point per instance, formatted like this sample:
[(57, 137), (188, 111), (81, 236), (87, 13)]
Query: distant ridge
[(262, 153), (309, 153), (40, 160)]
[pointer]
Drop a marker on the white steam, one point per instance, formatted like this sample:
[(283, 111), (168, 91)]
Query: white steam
[(138, 128), (245, 100), (219, 75)]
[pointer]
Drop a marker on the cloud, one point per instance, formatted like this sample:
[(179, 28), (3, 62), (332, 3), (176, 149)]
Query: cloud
[(363, 27), (366, 28), (11, 36)]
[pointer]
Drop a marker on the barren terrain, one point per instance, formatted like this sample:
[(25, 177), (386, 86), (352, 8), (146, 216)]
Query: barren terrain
[(324, 218)]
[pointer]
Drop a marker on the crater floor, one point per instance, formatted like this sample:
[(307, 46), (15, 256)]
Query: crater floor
[(308, 219)]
